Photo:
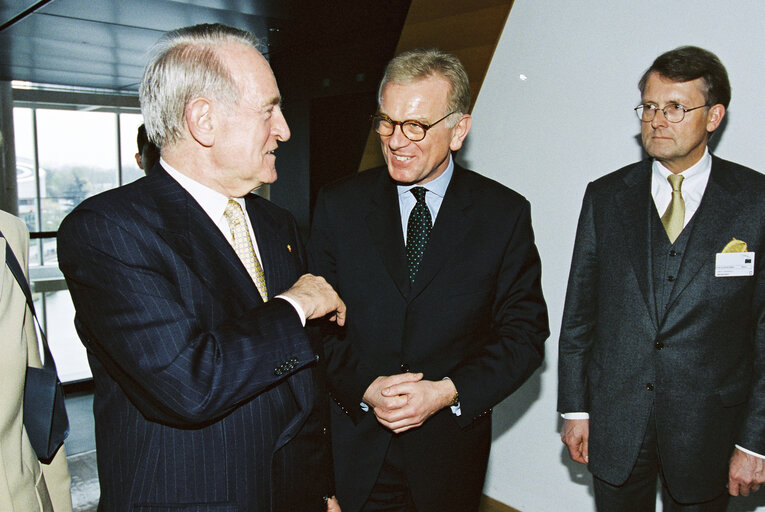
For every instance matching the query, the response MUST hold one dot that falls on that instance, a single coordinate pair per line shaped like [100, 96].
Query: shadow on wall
[510, 410]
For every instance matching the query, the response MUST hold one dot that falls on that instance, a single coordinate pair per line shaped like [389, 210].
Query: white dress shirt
[214, 204]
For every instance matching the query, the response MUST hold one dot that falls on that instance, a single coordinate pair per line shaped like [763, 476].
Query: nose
[397, 139]
[656, 121]
[280, 127]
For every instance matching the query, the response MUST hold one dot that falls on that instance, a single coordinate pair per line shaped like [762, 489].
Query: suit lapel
[711, 219]
[451, 225]
[384, 224]
[272, 253]
[634, 206]
[185, 226]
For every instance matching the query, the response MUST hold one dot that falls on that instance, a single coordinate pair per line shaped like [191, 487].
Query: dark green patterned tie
[417, 231]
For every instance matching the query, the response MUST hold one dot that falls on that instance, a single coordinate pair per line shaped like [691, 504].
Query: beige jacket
[25, 484]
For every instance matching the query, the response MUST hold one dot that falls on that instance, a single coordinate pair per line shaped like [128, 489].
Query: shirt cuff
[295, 305]
[575, 416]
[750, 452]
[456, 410]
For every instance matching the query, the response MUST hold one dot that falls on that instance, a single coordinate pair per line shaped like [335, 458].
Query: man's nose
[659, 121]
[397, 139]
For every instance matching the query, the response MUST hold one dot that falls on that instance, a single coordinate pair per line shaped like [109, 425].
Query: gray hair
[184, 64]
[422, 63]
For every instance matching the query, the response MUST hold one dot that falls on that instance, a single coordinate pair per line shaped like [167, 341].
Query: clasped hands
[404, 401]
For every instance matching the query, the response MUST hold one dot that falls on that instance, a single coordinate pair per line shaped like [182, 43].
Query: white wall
[567, 122]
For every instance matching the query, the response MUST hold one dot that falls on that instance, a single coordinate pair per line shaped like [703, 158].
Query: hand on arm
[746, 474]
[333, 505]
[576, 436]
[317, 298]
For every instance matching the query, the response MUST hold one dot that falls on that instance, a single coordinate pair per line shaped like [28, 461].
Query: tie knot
[419, 193]
[676, 180]
[233, 213]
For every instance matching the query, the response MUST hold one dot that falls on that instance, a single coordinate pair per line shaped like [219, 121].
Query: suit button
[649, 386]
[673, 253]
[404, 367]
[659, 345]
[278, 372]
[670, 278]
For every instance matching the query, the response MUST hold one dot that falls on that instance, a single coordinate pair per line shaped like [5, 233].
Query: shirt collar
[438, 186]
[702, 167]
[212, 202]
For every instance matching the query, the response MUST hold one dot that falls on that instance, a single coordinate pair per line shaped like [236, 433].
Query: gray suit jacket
[701, 363]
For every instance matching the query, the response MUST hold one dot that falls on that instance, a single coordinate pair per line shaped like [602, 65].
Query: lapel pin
[289, 248]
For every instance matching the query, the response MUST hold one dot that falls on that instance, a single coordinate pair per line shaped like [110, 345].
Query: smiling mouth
[402, 158]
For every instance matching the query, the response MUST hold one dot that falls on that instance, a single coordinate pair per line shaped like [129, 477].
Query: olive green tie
[243, 246]
[674, 217]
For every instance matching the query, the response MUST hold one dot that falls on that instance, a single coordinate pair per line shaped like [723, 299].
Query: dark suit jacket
[475, 314]
[203, 392]
[701, 363]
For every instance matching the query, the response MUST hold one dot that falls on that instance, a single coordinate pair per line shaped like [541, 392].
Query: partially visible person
[148, 153]
[191, 297]
[26, 484]
[662, 346]
[439, 270]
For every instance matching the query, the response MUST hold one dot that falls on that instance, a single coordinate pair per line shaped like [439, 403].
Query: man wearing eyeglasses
[438, 268]
[662, 346]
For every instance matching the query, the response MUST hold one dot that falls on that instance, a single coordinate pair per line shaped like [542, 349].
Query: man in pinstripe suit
[206, 385]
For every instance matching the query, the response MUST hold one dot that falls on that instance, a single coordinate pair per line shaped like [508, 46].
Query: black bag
[45, 418]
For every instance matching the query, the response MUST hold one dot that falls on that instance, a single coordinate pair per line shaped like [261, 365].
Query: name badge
[734, 264]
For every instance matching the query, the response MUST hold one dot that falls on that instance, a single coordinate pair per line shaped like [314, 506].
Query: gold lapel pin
[289, 247]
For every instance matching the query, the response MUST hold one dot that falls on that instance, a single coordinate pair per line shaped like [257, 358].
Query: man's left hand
[746, 473]
[424, 399]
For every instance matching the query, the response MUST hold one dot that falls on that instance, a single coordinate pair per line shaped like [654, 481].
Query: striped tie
[243, 246]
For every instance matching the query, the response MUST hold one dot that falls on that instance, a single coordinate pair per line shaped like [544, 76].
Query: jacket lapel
[185, 226]
[450, 228]
[634, 206]
[384, 224]
[712, 218]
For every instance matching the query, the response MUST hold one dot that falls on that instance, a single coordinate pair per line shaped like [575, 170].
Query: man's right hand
[317, 298]
[576, 436]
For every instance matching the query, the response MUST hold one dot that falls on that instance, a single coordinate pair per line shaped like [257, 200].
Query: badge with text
[734, 264]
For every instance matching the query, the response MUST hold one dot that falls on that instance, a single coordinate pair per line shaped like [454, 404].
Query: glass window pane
[68, 352]
[26, 178]
[77, 158]
[129, 124]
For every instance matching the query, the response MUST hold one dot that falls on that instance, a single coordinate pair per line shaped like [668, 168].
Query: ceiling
[103, 43]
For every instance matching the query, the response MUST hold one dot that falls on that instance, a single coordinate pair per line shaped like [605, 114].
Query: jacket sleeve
[519, 326]
[183, 359]
[579, 316]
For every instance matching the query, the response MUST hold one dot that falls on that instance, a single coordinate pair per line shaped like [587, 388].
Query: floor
[81, 451]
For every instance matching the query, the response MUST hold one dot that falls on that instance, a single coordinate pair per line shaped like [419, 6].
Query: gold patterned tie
[674, 217]
[243, 246]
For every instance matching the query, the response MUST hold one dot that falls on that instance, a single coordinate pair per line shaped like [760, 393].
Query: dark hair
[142, 138]
[688, 63]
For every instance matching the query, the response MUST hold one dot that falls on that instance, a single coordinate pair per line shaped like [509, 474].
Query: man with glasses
[438, 268]
[662, 347]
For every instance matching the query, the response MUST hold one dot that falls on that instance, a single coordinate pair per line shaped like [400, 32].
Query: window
[64, 154]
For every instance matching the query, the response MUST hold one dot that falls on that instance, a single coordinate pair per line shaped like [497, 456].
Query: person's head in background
[148, 153]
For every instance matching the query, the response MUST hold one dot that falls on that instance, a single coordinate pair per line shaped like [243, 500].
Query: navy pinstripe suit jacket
[206, 397]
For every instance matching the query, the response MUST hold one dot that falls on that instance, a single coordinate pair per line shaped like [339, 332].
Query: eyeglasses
[674, 112]
[412, 130]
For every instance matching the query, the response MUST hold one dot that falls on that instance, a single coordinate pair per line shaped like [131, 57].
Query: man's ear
[715, 117]
[200, 121]
[460, 131]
